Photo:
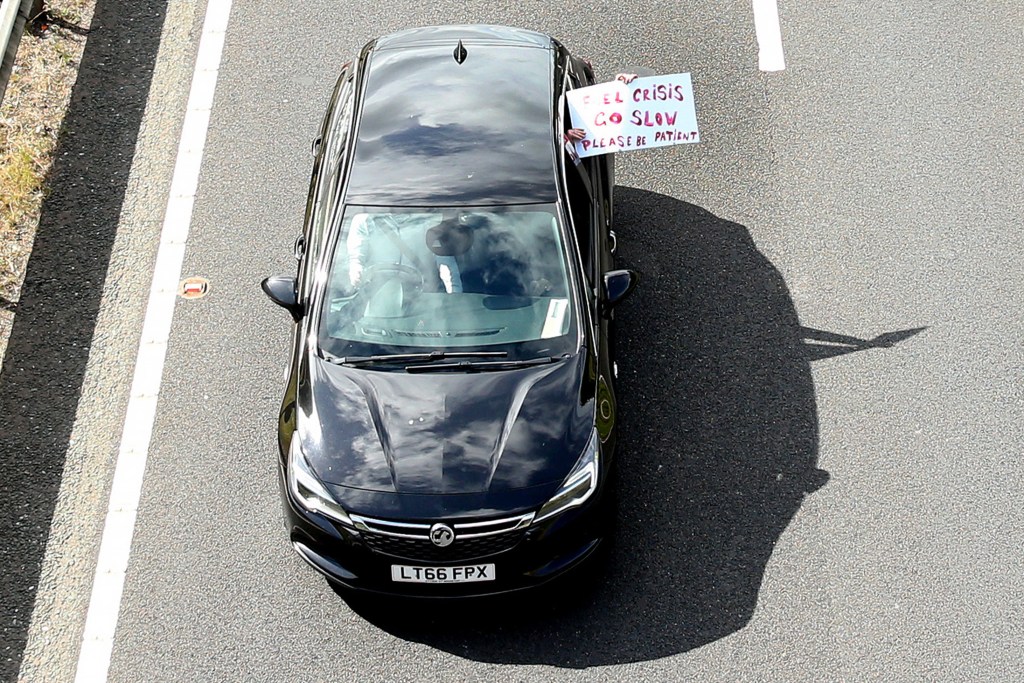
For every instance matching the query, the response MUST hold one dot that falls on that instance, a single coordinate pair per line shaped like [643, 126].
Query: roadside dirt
[31, 117]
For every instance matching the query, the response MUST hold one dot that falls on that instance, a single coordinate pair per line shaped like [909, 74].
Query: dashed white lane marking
[769, 36]
[115, 546]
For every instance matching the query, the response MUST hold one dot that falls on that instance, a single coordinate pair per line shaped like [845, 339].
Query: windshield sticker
[555, 318]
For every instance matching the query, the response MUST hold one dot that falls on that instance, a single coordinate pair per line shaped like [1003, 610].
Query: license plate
[466, 574]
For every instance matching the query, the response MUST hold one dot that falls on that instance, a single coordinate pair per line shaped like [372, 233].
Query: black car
[449, 419]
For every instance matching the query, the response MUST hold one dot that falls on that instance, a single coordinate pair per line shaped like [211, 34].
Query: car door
[594, 234]
[329, 160]
[584, 181]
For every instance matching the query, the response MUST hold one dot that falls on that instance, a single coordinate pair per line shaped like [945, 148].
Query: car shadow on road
[718, 448]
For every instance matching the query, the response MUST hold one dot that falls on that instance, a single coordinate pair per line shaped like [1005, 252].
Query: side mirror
[281, 289]
[617, 286]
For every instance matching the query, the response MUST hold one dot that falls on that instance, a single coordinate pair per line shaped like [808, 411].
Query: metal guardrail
[13, 15]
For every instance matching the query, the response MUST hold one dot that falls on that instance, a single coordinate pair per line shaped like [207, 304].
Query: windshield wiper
[353, 361]
[476, 366]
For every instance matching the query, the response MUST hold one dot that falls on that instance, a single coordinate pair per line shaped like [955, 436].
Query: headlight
[578, 486]
[307, 490]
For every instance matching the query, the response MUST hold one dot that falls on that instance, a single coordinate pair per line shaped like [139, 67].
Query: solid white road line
[769, 36]
[108, 584]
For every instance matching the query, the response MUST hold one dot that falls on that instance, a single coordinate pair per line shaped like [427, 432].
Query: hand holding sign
[645, 112]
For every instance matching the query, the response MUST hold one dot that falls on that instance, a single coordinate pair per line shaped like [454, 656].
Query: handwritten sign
[649, 112]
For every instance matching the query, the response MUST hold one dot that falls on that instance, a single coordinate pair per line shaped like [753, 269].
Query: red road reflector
[193, 287]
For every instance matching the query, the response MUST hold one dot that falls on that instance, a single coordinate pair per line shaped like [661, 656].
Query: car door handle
[299, 248]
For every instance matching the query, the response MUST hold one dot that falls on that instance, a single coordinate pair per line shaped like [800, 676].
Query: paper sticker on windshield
[555, 318]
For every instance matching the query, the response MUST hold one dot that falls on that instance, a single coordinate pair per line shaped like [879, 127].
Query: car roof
[434, 131]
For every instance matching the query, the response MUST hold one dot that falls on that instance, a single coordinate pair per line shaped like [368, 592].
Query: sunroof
[434, 131]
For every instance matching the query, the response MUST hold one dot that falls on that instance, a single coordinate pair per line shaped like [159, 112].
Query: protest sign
[649, 112]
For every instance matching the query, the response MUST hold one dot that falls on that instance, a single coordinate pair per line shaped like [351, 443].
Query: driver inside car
[398, 239]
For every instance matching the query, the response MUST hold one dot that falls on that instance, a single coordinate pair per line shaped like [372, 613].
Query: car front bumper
[546, 551]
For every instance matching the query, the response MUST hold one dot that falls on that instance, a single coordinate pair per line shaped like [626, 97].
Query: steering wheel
[377, 274]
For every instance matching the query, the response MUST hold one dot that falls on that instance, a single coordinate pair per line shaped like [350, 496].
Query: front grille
[411, 541]
[425, 551]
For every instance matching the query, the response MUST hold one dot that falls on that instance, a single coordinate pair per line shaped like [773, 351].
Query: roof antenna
[460, 53]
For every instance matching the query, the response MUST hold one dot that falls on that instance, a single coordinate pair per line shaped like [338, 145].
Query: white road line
[108, 584]
[769, 36]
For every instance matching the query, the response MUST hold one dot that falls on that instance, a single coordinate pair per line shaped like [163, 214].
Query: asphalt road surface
[822, 372]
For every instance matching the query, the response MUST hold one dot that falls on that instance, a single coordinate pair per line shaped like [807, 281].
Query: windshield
[465, 279]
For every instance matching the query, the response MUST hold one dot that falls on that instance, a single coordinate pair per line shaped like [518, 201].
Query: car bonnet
[448, 432]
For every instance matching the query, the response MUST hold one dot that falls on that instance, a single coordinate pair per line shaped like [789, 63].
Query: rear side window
[336, 134]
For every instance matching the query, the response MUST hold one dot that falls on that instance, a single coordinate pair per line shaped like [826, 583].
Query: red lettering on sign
[603, 118]
[659, 93]
[646, 118]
